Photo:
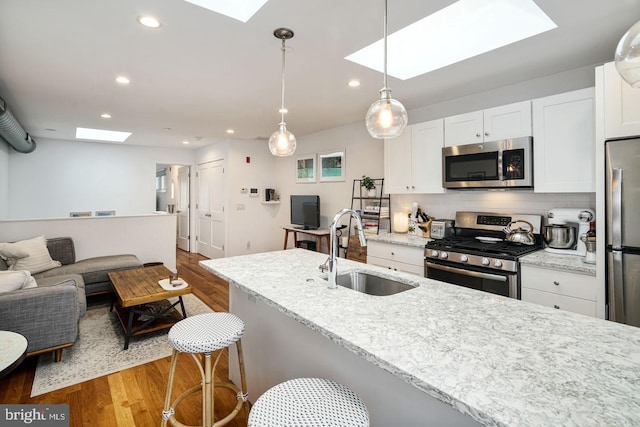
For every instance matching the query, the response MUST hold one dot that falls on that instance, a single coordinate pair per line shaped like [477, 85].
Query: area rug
[99, 349]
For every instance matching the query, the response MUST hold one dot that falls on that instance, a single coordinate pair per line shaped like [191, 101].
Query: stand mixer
[560, 233]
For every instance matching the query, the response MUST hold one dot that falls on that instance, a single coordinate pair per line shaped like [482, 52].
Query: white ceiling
[202, 73]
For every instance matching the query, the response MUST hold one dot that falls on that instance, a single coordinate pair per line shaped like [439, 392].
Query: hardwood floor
[134, 397]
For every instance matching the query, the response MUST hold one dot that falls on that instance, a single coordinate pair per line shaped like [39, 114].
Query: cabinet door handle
[413, 186]
[486, 133]
[392, 253]
[556, 306]
[555, 282]
[407, 187]
[478, 135]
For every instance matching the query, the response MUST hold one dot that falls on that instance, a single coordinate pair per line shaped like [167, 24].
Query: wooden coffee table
[141, 303]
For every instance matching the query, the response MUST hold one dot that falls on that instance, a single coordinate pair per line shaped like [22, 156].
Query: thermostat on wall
[253, 192]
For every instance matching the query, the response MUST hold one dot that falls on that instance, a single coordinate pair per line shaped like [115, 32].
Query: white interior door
[182, 208]
[211, 221]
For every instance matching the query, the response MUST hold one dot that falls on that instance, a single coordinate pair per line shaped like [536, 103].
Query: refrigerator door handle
[616, 209]
[616, 288]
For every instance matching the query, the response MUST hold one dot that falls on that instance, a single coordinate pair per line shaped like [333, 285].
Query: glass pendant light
[282, 142]
[628, 56]
[386, 118]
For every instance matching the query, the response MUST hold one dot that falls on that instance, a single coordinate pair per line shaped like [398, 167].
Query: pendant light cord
[385, 46]
[282, 105]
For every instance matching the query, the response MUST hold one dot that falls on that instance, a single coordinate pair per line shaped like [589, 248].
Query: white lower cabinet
[396, 257]
[562, 290]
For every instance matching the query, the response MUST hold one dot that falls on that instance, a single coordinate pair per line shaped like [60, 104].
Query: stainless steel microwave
[507, 163]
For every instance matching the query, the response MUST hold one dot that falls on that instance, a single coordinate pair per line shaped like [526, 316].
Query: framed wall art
[306, 168]
[332, 166]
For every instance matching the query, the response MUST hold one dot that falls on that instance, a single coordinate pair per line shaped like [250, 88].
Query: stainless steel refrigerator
[623, 230]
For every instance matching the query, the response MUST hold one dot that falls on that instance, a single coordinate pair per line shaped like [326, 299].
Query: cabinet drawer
[399, 253]
[559, 282]
[396, 266]
[561, 302]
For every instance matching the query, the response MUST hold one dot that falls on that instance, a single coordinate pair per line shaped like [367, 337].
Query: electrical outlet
[240, 207]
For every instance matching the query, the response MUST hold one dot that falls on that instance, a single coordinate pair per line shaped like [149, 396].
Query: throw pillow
[14, 280]
[38, 258]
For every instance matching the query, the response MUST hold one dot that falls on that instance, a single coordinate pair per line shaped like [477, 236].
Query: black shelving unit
[374, 209]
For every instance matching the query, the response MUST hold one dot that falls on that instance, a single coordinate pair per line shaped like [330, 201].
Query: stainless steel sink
[371, 284]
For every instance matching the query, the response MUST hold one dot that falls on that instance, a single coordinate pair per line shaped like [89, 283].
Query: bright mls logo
[34, 415]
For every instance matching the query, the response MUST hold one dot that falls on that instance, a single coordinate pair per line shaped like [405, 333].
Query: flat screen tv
[305, 212]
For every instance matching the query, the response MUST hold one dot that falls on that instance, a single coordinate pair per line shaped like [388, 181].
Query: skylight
[102, 135]
[241, 10]
[460, 31]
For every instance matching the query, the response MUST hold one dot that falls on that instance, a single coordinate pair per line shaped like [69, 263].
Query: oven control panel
[475, 260]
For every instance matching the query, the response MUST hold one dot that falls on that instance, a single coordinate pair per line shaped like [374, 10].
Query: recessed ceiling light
[354, 83]
[230, 131]
[149, 22]
[241, 10]
[50, 129]
[460, 31]
[123, 80]
[105, 115]
[283, 110]
[185, 142]
[102, 135]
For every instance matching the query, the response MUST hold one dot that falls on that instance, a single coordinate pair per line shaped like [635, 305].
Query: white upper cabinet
[621, 105]
[413, 161]
[564, 142]
[503, 122]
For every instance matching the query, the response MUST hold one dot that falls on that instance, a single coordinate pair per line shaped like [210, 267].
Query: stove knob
[485, 261]
[444, 255]
[498, 263]
[464, 258]
[435, 254]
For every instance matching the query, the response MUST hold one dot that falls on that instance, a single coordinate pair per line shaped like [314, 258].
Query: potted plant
[370, 185]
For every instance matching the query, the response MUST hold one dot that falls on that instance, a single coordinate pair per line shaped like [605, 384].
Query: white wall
[548, 85]
[248, 221]
[63, 176]
[364, 156]
[4, 180]
[150, 237]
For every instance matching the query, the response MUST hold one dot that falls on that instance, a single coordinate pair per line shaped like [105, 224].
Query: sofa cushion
[95, 269]
[14, 280]
[37, 257]
[62, 249]
[66, 279]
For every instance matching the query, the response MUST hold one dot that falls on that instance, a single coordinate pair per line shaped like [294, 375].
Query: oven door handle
[467, 272]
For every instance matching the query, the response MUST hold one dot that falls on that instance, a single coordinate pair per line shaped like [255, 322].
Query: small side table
[319, 234]
[13, 349]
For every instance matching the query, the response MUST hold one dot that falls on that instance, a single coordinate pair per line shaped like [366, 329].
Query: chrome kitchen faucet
[333, 244]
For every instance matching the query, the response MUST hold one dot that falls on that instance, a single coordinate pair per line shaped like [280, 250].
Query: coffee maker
[564, 228]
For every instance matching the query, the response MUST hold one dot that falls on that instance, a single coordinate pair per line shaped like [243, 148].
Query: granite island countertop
[503, 362]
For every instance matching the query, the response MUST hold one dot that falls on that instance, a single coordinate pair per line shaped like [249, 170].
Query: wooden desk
[319, 234]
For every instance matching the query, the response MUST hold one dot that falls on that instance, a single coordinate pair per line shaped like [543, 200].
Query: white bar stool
[309, 402]
[200, 335]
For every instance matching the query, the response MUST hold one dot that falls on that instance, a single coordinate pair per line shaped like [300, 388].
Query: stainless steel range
[478, 256]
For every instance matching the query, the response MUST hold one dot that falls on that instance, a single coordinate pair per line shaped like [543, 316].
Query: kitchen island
[438, 354]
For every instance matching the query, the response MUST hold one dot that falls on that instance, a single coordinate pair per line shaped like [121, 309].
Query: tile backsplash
[513, 201]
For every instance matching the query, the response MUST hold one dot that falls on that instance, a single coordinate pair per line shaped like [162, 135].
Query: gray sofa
[48, 315]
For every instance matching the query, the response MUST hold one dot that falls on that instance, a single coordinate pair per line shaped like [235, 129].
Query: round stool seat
[205, 333]
[309, 402]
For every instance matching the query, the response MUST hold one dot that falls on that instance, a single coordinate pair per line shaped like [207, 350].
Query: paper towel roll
[344, 241]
